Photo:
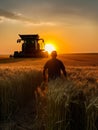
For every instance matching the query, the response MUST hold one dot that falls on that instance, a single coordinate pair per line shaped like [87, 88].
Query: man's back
[54, 67]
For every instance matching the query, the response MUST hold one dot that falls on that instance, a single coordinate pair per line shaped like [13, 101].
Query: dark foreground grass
[28, 104]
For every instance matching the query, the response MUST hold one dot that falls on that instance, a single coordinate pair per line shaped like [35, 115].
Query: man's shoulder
[59, 60]
[48, 62]
[60, 63]
[53, 60]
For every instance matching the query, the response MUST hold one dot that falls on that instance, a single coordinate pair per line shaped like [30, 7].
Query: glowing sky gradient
[71, 25]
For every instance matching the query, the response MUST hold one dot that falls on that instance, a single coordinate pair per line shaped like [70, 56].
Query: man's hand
[45, 79]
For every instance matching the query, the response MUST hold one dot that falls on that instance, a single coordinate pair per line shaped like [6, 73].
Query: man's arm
[63, 69]
[64, 72]
[44, 71]
[44, 74]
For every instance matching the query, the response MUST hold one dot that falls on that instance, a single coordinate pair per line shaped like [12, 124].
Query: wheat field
[27, 103]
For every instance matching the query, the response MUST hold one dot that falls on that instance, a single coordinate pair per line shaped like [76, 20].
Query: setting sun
[49, 48]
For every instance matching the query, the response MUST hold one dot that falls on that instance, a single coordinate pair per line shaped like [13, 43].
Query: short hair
[54, 54]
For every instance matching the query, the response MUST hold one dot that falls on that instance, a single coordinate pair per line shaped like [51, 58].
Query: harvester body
[32, 46]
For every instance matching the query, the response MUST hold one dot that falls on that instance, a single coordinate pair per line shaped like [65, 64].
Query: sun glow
[49, 48]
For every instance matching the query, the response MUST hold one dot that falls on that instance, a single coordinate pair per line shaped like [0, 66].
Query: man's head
[53, 54]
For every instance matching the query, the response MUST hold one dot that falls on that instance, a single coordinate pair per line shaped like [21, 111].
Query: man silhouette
[54, 67]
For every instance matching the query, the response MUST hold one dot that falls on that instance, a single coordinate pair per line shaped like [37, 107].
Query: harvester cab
[32, 46]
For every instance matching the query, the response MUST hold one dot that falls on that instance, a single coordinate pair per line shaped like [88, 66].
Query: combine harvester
[32, 46]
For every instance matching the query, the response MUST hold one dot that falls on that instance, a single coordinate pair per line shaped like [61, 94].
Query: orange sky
[66, 39]
[71, 31]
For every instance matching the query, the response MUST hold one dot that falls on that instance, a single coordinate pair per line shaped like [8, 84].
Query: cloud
[60, 11]
[1, 20]
[12, 16]
[40, 24]
[18, 17]
[86, 9]
[50, 11]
